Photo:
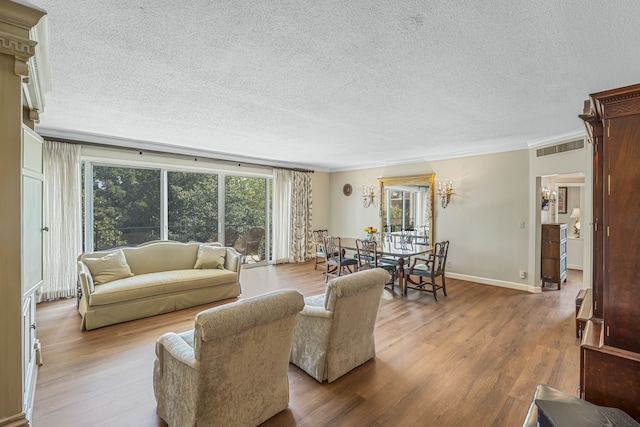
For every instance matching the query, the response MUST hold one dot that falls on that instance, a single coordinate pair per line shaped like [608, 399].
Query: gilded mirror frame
[428, 178]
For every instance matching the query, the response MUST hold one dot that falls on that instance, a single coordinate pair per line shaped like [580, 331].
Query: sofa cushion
[161, 256]
[152, 284]
[210, 257]
[109, 267]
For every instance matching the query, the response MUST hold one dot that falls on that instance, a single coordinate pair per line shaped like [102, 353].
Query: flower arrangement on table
[371, 232]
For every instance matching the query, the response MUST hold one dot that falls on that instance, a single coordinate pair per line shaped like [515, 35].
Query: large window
[192, 206]
[127, 206]
[245, 212]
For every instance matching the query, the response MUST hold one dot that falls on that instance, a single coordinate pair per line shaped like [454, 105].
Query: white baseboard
[574, 267]
[17, 420]
[500, 283]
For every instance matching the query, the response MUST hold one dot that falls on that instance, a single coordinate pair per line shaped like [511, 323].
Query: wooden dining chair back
[367, 256]
[422, 273]
[403, 240]
[318, 246]
[336, 263]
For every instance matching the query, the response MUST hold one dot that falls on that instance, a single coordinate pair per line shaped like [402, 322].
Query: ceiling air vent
[560, 148]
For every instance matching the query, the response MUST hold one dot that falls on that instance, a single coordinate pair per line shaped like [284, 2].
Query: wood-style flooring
[473, 358]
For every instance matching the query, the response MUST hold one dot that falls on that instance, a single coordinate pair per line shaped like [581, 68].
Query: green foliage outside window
[127, 208]
[192, 206]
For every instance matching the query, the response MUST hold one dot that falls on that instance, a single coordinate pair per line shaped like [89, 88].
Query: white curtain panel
[292, 207]
[62, 214]
[282, 185]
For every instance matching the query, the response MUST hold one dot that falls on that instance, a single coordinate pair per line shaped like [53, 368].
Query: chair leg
[444, 286]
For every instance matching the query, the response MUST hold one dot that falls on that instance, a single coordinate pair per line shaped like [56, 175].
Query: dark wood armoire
[610, 349]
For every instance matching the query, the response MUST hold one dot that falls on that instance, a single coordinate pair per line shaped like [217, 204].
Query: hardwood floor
[473, 358]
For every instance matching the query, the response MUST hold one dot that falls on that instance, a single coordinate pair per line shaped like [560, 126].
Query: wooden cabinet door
[32, 265]
[597, 236]
[621, 215]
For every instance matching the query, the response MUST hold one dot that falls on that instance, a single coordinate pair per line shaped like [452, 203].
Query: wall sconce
[548, 198]
[368, 195]
[575, 213]
[445, 193]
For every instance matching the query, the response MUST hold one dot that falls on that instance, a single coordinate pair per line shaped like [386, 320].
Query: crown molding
[20, 14]
[564, 137]
[18, 19]
[39, 82]
[137, 144]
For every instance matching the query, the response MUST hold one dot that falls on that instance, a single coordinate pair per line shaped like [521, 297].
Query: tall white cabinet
[32, 231]
[22, 97]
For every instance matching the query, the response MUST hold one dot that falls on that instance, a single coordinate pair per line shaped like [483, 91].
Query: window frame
[207, 167]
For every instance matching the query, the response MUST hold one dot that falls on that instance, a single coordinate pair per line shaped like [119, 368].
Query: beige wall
[482, 222]
[495, 193]
[549, 170]
[320, 211]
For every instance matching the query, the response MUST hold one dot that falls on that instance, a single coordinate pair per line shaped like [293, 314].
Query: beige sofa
[124, 284]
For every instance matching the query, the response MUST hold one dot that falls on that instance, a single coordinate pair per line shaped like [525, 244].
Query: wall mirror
[406, 203]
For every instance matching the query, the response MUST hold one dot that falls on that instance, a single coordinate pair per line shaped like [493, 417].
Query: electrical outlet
[523, 274]
[521, 224]
[448, 264]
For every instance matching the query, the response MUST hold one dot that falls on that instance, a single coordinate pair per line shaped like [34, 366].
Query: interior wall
[482, 222]
[553, 167]
[573, 201]
[320, 210]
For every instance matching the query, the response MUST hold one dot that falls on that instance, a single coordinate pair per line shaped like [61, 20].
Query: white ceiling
[333, 84]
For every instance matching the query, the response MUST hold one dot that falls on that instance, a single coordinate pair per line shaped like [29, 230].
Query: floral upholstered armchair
[231, 370]
[334, 333]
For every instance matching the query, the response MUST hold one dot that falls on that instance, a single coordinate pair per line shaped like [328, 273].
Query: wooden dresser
[610, 349]
[554, 254]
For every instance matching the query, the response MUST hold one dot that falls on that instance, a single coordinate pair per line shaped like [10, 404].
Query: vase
[370, 237]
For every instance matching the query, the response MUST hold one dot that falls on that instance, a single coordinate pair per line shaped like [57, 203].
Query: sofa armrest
[233, 261]
[86, 280]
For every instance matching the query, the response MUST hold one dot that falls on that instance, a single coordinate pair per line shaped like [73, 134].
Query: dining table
[402, 253]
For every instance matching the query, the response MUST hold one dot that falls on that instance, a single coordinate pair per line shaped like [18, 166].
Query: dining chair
[318, 246]
[367, 257]
[399, 241]
[336, 263]
[403, 239]
[427, 269]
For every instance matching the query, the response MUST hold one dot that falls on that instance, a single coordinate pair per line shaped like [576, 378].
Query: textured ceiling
[333, 84]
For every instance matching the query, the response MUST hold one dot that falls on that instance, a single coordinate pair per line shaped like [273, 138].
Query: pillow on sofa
[108, 268]
[211, 257]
